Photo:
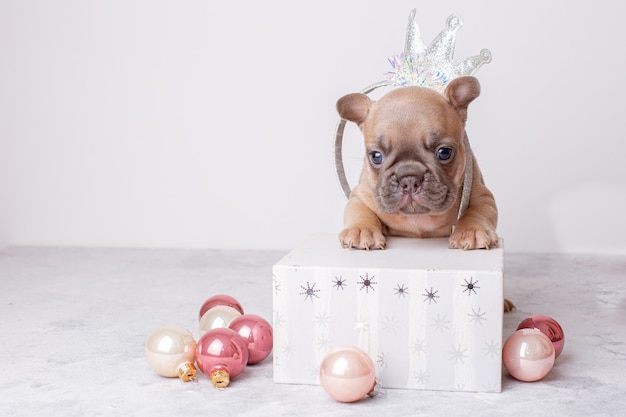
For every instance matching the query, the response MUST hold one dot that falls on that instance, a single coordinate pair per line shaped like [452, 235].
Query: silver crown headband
[431, 66]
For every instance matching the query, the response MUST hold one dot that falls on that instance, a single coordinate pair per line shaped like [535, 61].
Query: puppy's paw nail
[473, 239]
[509, 306]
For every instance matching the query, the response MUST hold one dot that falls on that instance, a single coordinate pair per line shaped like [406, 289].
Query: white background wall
[210, 123]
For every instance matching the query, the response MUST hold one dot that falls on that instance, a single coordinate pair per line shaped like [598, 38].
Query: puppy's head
[415, 156]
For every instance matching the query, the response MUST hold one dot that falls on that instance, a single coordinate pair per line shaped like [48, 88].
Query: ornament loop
[220, 378]
[377, 390]
[187, 372]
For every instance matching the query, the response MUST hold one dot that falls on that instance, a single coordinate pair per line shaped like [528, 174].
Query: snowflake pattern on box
[445, 336]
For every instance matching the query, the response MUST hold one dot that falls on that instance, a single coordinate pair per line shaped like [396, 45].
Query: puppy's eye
[376, 157]
[443, 153]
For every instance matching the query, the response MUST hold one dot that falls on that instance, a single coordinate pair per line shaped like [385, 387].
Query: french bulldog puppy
[412, 179]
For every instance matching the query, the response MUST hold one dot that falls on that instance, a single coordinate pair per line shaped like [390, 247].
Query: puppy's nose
[410, 184]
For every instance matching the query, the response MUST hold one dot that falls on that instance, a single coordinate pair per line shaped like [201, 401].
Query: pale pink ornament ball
[528, 355]
[347, 374]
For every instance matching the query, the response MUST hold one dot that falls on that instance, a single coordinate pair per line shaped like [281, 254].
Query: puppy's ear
[461, 92]
[354, 107]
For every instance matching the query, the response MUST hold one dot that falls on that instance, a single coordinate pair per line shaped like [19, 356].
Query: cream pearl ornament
[217, 317]
[170, 351]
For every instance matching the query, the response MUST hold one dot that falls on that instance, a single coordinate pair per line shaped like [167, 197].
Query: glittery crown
[432, 66]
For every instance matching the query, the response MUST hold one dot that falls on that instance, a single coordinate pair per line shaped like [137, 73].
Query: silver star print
[339, 283]
[492, 349]
[288, 348]
[477, 317]
[323, 319]
[440, 323]
[367, 283]
[279, 319]
[421, 376]
[458, 354]
[430, 296]
[309, 291]
[323, 342]
[361, 325]
[276, 286]
[381, 360]
[401, 290]
[418, 346]
[390, 324]
[470, 286]
[490, 386]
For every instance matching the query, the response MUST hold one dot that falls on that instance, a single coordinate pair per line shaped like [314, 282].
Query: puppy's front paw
[473, 239]
[358, 238]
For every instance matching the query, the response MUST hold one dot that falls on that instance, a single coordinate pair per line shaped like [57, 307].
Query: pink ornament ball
[219, 300]
[528, 355]
[347, 374]
[257, 332]
[221, 354]
[549, 327]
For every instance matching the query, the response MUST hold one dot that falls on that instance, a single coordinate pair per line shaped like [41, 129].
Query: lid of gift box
[324, 250]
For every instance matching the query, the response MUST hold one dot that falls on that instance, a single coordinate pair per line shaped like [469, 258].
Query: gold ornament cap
[220, 378]
[187, 372]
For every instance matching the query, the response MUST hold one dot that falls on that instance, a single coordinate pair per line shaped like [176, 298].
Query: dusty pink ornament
[257, 332]
[219, 300]
[221, 354]
[549, 327]
[347, 374]
[528, 355]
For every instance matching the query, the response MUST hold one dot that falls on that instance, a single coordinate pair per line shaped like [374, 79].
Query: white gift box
[429, 317]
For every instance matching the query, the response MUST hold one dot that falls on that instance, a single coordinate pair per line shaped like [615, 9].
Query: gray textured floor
[73, 323]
